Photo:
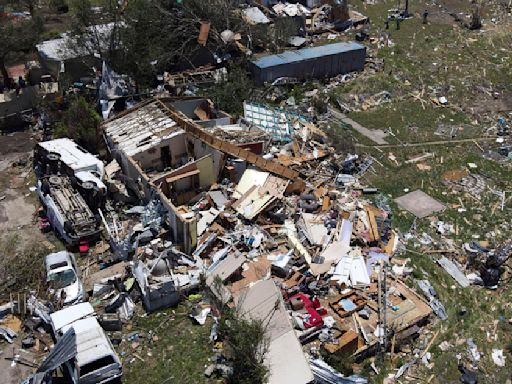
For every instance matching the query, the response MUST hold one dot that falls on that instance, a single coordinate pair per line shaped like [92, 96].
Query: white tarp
[254, 16]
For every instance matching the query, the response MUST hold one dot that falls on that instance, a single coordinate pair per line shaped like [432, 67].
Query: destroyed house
[310, 63]
[174, 157]
[14, 106]
[66, 54]
[150, 146]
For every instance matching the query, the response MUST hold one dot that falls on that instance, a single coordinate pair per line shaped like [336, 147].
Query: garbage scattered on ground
[262, 214]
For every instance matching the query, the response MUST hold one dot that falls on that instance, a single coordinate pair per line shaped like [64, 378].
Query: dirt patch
[17, 142]
[15, 211]
[13, 374]
[21, 242]
[486, 103]
[455, 175]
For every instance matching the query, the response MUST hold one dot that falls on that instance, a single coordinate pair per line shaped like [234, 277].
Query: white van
[96, 359]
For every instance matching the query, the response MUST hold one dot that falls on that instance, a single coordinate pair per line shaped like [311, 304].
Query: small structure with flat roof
[310, 63]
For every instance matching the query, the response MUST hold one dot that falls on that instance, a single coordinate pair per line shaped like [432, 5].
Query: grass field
[426, 61]
[433, 60]
[174, 349]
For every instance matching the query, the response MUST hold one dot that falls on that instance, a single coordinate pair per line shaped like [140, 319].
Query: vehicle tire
[55, 180]
[52, 156]
[45, 187]
[87, 185]
[68, 227]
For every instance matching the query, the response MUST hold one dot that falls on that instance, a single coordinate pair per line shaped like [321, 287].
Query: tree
[93, 33]
[17, 38]
[246, 340]
[153, 36]
[247, 344]
[229, 94]
[81, 123]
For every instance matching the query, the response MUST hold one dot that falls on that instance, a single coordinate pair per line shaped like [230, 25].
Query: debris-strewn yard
[246, 217]
[470, 69]
[425, 62]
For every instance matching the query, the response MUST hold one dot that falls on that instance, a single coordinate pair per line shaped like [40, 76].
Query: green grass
[437, 59]
[410, 122]
[179, 354]
[486, 311]
[392, 180]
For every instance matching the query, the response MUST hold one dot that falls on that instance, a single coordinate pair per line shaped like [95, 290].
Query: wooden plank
[182, 176]
[326, 203]
[374, 230]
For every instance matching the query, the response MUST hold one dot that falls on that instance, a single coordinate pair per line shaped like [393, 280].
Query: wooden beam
[226, 147]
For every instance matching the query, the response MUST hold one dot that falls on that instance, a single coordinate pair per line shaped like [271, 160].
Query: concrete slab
[419, 204]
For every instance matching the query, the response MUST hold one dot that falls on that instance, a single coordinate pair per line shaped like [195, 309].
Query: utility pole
[379, 313]
[385, 306]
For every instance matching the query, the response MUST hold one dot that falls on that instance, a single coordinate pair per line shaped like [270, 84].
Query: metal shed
[316, 62]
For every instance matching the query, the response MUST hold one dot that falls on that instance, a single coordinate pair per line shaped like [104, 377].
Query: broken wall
[199, 173]
[189, 107]
[201, 149]
[177, 153]
[183, 230]
[183, 226]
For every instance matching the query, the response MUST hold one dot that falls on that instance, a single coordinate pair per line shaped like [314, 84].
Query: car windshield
[62, 278]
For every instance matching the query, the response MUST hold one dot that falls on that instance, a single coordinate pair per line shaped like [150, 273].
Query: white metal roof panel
[59, 49]
[73, 155]
[68, 315]
[141, 129]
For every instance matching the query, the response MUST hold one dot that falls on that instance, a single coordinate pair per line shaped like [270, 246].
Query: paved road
[375, 135]
[426, 143]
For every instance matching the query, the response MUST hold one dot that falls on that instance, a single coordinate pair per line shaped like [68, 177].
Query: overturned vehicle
[67, 212]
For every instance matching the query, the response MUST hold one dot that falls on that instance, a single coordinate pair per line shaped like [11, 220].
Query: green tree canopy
[80, 122]
[152, 36]
[17, 37]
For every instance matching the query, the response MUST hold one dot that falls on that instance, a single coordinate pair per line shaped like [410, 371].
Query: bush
[80, 122]
[230, 94]
[246, 344]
